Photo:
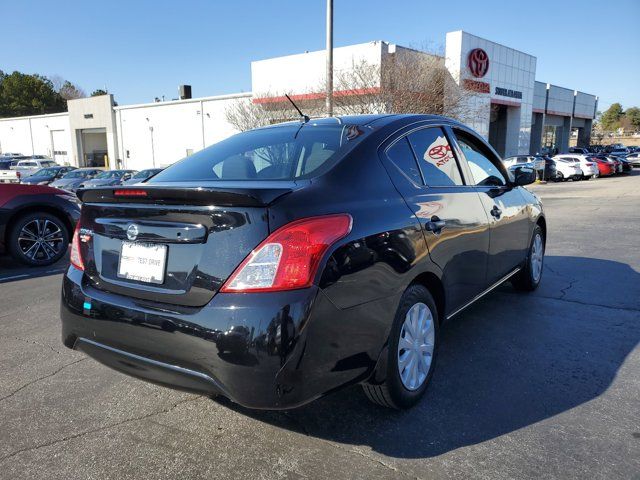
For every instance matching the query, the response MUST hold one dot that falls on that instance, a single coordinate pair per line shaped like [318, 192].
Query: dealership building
[518, 114]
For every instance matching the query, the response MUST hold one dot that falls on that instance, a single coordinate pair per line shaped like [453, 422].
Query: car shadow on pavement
[507, 362]
[12, 270]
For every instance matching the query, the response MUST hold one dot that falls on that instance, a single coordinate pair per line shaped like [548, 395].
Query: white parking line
[14, 277]
[33, 275]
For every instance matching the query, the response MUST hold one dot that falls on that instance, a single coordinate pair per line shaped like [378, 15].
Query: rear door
[426, 172]
[504, 204]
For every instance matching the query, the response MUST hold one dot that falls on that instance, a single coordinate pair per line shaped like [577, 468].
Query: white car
[567, 170]
[589, 167]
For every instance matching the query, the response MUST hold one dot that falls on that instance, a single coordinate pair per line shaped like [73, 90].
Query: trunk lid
[203, 233]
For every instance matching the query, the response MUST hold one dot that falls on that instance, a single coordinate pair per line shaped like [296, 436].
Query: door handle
[496, 212]
[435, 225]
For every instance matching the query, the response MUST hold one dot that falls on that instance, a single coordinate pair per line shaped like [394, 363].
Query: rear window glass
[402, 156]
[435, 157]
[278, 153]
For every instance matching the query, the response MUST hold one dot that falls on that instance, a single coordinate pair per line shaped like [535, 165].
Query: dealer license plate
[144, 262]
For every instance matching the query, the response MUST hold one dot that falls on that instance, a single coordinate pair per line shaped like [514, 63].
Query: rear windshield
[77, 174]
[6, 165]
[111, 174]
[280, 153]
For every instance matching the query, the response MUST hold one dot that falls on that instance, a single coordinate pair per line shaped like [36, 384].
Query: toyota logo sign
[478, 62]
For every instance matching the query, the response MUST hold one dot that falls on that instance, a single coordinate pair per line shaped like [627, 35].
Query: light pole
[153, 154]
[329, 99]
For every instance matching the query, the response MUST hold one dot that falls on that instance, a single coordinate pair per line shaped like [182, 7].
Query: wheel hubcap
[415, 348]
[537, 254]
[40, 239]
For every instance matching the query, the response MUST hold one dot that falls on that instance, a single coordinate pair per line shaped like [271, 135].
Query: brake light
[125, 192]
[76, 256]
[18, 174]
[289, 258]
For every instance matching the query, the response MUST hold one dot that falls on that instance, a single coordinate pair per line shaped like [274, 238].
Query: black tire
[391, 392]
[49, 252]
[525, 280]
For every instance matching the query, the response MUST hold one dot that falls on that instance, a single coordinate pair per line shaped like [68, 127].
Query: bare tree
[66, 89]
[407, 81]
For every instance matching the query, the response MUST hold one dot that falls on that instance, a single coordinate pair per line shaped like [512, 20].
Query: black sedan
[45, 176]
[318, 254]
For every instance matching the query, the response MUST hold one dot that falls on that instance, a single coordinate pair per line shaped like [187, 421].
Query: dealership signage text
[505, 92]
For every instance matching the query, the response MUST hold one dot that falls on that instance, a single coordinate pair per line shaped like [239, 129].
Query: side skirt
[483, 293]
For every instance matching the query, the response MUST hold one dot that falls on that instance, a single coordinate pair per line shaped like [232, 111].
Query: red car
[605, 167]
[36, 222]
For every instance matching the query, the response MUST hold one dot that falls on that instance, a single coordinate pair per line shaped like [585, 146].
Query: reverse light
[289, 258]
[75, 255]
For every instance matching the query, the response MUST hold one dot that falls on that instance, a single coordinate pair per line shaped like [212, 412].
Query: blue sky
[144, 49]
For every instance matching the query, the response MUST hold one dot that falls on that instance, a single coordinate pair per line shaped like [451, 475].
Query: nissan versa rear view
[285, 262]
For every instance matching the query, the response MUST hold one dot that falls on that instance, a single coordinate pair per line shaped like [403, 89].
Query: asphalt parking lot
[545, 385]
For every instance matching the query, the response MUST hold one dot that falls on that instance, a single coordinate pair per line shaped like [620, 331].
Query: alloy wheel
[40, 239]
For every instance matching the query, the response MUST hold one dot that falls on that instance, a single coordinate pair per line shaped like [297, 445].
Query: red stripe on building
[319, 95]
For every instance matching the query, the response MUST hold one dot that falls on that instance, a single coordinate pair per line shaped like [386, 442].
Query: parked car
[7, 172]
[6, 175]
[550, 171]
[108, 177]
[8, 155]
[580, 150]
[626, 165]
[142, 175]
[589, 168]
[72, 180]
[47, 175]
[334, 285]
[25, 168]
[567, 170]
[606, 167]
[634, 159]
[619, 151]
[36, 222]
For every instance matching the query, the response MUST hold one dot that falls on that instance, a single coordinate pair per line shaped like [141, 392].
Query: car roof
[362, 120]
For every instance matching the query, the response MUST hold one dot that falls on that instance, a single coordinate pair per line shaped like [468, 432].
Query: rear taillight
[289, 258]
[18, 174]
[76, 256]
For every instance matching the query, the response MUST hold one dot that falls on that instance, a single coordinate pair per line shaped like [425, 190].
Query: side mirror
[524, 176]
[126, 176]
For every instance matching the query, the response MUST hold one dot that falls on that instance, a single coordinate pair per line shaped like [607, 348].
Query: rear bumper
[269, 351]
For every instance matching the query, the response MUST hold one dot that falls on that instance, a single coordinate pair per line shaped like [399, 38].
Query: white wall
[178, 127]
[32, 135]
[306, 72]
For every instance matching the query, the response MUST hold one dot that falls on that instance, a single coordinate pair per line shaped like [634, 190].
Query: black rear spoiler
[241, 196]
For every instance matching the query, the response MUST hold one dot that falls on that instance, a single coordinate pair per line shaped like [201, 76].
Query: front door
[453, 218]
[504, 204]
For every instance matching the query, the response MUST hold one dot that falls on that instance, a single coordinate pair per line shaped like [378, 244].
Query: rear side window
[401, 155]
[278, 153]
[484, 172]
[435, 158]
